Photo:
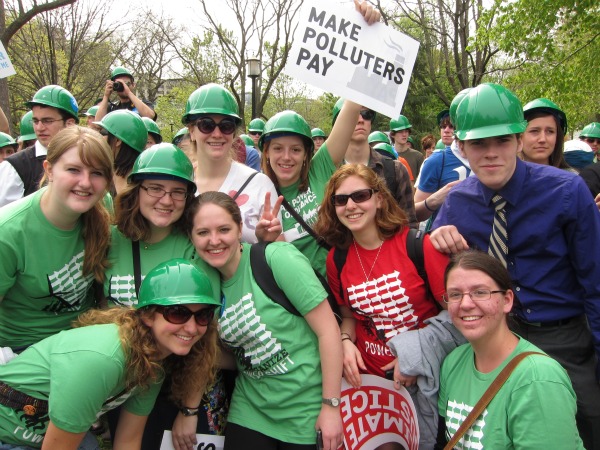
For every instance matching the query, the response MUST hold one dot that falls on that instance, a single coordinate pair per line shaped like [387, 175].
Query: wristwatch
[333, 401]
[187, 412]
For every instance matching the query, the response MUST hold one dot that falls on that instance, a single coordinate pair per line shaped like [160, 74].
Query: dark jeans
[238, 437]
[572, 346]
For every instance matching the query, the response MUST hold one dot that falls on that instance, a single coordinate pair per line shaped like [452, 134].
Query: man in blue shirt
[553, 241]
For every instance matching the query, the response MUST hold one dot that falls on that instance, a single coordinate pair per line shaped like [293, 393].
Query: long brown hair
[189, 374]
[556, 158]
[390, 218]
[129, 219]
[93, 152]
[265, 163]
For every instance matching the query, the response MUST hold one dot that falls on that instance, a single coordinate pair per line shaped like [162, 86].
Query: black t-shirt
[128, 106]
[591, 176]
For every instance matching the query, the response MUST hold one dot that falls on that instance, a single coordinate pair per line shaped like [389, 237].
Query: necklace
[360, 260]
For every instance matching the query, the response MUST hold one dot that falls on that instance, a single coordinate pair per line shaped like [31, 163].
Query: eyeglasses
[180, 314]
[357, 197]
[478, 295]
[157, 192]
[591, 140]
[207, 125]
[367, 114]
[255, 133]
[46, 121]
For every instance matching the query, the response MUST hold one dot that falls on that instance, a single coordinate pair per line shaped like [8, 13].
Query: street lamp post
[253, 65]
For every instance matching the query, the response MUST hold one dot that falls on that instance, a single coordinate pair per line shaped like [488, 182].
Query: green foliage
[170, 108]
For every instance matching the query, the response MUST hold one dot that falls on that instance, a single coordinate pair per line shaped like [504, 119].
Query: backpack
[414, 248]
[263, 274]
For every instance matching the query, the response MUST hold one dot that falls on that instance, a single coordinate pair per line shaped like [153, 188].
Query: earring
[241, 248]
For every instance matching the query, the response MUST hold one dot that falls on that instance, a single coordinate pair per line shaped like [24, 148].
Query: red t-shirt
[394, 299]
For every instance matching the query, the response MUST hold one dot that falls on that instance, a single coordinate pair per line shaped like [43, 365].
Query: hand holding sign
[370, 14]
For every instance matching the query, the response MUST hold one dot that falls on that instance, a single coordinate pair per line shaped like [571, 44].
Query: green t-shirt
[41, 274]
[307, 205]
[535, 409]
[81, 372]
[278, 389]
[119, 284]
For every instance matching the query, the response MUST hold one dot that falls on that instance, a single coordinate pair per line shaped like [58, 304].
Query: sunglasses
[591, 140]
[255, 133]
[207, 125]
[367, 114]
[180, 314]
[357, 197]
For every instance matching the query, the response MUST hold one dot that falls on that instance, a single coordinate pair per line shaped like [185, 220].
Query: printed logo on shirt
[122, 290]
[307, 207]
[384, 302]
[456, 413]
[68, 286]
[257, 351]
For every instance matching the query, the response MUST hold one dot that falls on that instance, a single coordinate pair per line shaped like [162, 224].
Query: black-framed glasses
[46, 121]
[592, 140]
[156, 192]
[477, 295]
[367, 114]
[255, 133]
[359, 196]
[207, 125]
[179, 315]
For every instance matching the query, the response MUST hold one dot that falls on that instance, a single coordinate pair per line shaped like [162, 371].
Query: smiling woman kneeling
[535, 408]
[54, 391]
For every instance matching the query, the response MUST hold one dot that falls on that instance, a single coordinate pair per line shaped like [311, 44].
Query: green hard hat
[127, 126]
[6, 140]
[120, 71]
[336, 109]
[151, 126]
[489, 110]
[439, 145]
[176, 282]
[455, 102]
[287, 122]
[91, 112]
[180, 133]
[26, 127]
[401, 123]
[378, 136]
[547, 106]
[165, 159]
[591, 130]
[441, 115]
[247, 140]
[412, 141]
[387, 148]
[256, 125]
[317, 132]
[211, 99]
[57, 97]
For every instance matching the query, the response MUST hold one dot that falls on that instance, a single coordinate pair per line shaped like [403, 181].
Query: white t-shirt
[252, 199]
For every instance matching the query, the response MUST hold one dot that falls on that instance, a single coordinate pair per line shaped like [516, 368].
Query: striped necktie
[498, 247]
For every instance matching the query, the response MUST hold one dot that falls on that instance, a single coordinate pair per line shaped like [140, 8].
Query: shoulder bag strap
[487, 397]
[243, 186]
[137, 270]
[302, 222]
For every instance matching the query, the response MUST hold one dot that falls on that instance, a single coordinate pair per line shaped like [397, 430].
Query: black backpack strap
[263, 274]
[243, 186]
[302, 222]
[414, 249]
[339, 259]
[137, 269]
[389, 173]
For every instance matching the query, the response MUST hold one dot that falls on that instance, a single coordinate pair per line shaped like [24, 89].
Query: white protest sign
[6, 67]
[377, 414]
[205, 442]
[335, 50]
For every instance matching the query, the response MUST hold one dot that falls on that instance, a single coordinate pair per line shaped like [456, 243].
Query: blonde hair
[93, 151]
[389, 218]
[189, 374]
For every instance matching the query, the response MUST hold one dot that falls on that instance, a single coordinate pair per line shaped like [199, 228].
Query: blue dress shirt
[553, 240]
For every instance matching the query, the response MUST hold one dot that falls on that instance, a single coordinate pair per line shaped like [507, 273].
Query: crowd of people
[132, 270]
